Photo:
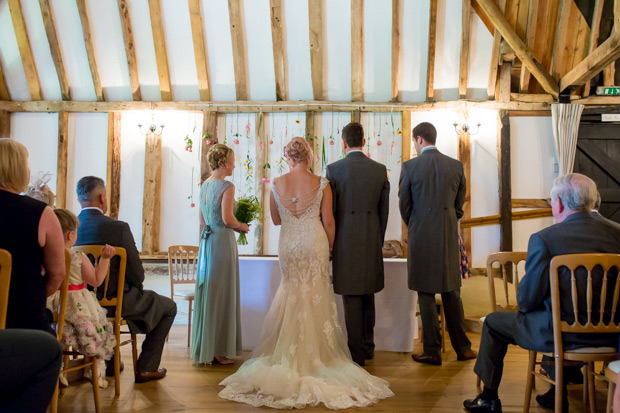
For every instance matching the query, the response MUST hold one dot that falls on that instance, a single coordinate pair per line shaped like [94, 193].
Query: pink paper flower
[331, 143]
[379, 143]
[236, 141]
[265, 180]
[368, 154]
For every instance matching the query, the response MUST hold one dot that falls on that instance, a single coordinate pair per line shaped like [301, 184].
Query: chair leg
[610, 396]
[531, 365]
[559, 384]
[443, 328]
[478, 382]
[189, 322]
[54, 401]
[591, 390]
[117, 362]
[134, 352]
[95, 382]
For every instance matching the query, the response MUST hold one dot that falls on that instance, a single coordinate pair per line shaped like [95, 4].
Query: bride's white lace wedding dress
[302, 358]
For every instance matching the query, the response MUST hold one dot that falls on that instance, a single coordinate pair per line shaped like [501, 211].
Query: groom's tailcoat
[431, 197]
[361, 201]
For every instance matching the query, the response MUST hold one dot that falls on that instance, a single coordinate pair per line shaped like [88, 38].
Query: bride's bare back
[297, 190]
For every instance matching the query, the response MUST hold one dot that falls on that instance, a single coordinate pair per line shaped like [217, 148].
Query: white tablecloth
[396, 323]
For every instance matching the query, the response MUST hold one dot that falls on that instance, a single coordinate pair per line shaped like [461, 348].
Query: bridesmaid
[216, 332]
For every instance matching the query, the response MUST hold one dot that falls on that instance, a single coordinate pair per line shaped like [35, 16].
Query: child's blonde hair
[68, 220]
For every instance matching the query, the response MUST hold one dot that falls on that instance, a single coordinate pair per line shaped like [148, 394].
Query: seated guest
[30, 231]
[146, 312]
[575, 231]
[597, 215]
[30, 363]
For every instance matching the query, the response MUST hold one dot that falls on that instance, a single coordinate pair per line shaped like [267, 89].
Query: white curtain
[565, 119]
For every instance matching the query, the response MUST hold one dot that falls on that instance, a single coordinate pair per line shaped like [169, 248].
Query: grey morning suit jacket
[361, 203]
[431, 196]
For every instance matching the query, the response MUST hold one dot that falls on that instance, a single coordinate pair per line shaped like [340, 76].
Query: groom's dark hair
[427, 131]
[353, 135]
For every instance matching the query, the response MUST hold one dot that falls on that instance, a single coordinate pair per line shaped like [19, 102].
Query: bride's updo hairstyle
[218, 155]
[297, 150]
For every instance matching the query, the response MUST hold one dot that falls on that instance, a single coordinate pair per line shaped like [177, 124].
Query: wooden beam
[465, 36]
[531, 97]
[282, 107]
[113, 173]
[594, 32]
[404, 157]
[605, 54]
[430, 61]
[130, 50]
[530, 203]
[495, 219]
[464, 155]
[152, 187]
[483, 16]
[495, 53]
[23, 43]
[523, 52]
[200, 51]
[560, 37]
[504, 83]
[395, 48]
[279, 60]
[5, 124]
[357, 50]
[505, 183]
[61, 168]
[532, 19]
[52, 39]
[316, 47]
[90, 50]
[4, 92]
[262, 158]
[161, 54]
[609, 73]
[208, 139]
[237, 34]
[312, 132]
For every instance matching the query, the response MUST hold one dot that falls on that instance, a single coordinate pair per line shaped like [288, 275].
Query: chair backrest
[509, 272]
[593, 283]
[59, 312]
[182, 261]
[5, 283]
[95, 252]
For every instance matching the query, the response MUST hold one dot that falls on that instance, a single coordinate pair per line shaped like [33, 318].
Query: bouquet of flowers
[248, 210]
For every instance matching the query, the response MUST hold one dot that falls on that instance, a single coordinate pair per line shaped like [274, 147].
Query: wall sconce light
[465, 128]
[152, 128]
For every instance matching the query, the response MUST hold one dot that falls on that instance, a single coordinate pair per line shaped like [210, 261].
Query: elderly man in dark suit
[431, 195]
[361, 201]
[146, 312]
[575, 231]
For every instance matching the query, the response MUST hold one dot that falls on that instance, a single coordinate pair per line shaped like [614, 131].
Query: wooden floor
[417, 388]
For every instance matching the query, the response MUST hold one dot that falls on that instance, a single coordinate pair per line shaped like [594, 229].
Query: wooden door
[598, 156]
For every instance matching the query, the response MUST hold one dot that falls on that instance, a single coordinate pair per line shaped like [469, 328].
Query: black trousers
[497, 333]
[153, 343]
[29, 366]
[359, 316]
[455, 322]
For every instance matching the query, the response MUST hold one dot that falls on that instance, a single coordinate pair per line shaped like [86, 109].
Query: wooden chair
[599, 318]
[5, 283]
[182, 260]
[509, 271]
[117, 303]
[611, 375]
[88, 361]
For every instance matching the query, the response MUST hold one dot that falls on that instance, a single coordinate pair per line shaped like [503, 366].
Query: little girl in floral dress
[86, 329]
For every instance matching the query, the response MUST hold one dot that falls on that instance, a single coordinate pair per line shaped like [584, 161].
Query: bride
[302, 358]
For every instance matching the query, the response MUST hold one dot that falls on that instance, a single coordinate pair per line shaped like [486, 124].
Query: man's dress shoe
[479, 405]
[426, 359]
[470, 355]
[151, 375]
[547, 400]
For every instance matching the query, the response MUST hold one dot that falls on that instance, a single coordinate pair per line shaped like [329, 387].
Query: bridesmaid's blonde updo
[298, 150]
[218, 155]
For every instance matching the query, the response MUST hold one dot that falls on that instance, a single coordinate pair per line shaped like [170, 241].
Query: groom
[360, 200]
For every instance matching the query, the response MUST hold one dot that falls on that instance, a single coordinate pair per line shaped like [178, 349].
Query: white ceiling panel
[298, 49]
[10, 59]
[259, 50]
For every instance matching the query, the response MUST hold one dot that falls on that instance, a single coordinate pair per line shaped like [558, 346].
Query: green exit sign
[612, 90]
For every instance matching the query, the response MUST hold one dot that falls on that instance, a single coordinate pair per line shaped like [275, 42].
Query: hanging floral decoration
[207, 139]
[189, 144]
[191, 195]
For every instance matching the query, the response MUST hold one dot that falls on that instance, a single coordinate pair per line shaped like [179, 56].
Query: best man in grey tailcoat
[361, 192]
[431, 196]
